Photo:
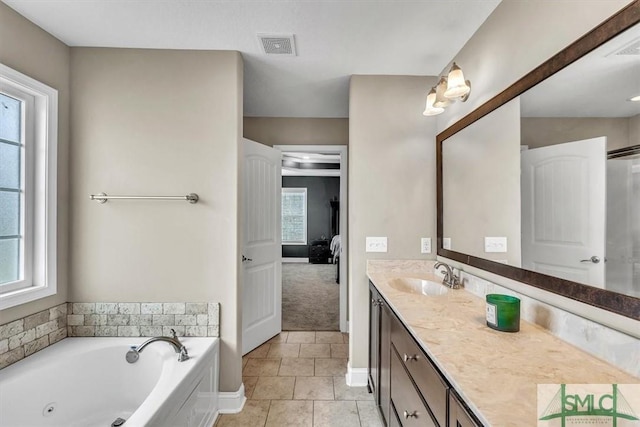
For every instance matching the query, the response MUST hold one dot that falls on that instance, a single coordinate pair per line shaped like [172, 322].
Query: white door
[262, 249]
[563, 210]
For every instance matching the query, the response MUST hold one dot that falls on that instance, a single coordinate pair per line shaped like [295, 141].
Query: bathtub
[82, 382]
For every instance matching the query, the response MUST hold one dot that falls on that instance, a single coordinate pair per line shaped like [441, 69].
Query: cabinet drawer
[405, 397]
[428, 380]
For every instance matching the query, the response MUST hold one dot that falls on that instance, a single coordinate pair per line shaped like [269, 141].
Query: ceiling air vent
[277, 44]
[631, 48]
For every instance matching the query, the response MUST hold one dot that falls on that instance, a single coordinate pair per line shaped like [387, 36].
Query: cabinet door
[384, 387]
[374, 342]
[458, 414]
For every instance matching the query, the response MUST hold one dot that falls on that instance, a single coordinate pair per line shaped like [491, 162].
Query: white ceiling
[334, 39]
[597, 85]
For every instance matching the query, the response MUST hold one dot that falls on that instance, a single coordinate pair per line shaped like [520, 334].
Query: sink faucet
[449, 279]
[134, 352]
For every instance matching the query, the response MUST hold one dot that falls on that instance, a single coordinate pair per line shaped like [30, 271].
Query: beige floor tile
[369, 416]
[340, 350]
[345, 337]
[254, 414]
[249, 385]
[330, 367]
[290, 413]
[302, 337]
[244, 361]
[315, 350]
[281, 337]
[329, 338]
[261, 367]
[337, 413]
[283, 350]
[274, 388]
[343, 392]
[260, 352]
[313, 388]
[296, 367]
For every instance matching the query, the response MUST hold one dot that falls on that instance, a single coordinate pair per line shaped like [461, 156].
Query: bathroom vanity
[409, 390]
[434, 362]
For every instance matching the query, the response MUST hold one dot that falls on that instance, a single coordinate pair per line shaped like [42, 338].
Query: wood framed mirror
[566, 283]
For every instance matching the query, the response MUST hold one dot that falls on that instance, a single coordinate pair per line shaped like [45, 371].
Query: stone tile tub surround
[23, 337]
[135, 319]
[615, 347]
[496, 373]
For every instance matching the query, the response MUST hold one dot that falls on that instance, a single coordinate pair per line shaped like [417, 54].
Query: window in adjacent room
[28, 148]
[294, 216]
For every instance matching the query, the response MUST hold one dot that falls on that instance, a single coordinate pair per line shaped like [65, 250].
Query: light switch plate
[425, 245]
[446, 243]
[376, 244]
[495, 244]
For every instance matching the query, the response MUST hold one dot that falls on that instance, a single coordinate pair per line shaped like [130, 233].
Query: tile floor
[298, 379]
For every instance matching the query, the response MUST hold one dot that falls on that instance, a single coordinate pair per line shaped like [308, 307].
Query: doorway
[314, 268]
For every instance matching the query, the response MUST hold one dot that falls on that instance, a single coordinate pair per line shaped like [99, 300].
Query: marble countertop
[496, 373]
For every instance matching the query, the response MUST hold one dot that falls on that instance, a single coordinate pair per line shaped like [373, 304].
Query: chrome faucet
[449, 279]
[134, 352]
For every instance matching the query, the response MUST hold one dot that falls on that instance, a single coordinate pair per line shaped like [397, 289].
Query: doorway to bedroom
[313, 238]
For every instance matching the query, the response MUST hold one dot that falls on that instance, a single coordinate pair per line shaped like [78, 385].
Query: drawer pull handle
[408, 414]
[408, 358]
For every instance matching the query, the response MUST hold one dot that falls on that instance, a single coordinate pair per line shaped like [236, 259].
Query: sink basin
[418, 286]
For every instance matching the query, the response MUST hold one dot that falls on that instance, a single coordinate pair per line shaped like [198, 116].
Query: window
[28, 149]
[294, 216]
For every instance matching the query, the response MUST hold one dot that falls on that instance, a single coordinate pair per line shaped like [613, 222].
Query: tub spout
[134, 352]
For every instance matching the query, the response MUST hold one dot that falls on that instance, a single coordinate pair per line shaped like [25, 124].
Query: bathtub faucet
[134, 352]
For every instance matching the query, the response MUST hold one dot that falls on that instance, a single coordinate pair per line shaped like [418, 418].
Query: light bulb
[457, 87]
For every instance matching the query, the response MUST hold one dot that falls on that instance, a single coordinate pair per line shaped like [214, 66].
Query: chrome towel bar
[102, 197]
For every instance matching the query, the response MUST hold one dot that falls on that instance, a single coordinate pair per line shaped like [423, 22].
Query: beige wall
[481, 185]
[296, 131]
[30, 50]
[543, 131]
[392, 191]
[158, 122]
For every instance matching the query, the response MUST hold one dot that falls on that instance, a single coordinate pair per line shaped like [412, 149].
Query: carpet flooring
[310, 297]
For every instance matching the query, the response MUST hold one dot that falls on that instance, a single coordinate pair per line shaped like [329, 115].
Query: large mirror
[555, 199]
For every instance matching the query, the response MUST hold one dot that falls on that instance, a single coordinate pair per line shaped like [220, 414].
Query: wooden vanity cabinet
[380, 352]
[408, 389]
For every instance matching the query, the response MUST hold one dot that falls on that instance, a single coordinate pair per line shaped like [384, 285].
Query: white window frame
[39, 204]
[297, 190]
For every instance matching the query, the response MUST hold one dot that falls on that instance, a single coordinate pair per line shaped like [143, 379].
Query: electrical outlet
[425, 245]
[495, 244]
[376, 244]
[446, 243]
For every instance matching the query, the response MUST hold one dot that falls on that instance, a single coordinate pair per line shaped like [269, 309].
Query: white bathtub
[82, 382]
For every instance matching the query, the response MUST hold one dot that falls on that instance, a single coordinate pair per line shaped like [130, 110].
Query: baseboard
[231, 402]
[292, 260]
[357, 377]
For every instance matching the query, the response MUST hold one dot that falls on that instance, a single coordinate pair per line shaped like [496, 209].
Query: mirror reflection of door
[563, 210]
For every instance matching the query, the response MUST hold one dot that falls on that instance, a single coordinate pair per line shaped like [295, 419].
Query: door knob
[244, 258]
[594, 259]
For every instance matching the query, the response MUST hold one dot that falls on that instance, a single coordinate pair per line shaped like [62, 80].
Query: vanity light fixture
[448, 90]
[635, 98]
[457, 86]
[430, 109]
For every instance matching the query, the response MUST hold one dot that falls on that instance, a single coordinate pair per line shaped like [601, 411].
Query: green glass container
[503, 313]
